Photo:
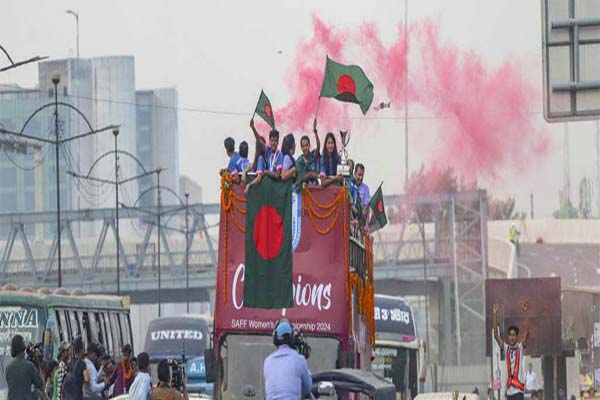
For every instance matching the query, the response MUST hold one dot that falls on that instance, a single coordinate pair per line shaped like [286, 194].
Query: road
[575, 264]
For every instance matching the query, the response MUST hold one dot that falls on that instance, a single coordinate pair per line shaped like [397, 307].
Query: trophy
[343, 167]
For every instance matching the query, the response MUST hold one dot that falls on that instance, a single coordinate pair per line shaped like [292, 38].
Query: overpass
[435, 250]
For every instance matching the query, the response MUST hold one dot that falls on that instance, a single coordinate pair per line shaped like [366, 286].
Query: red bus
[332, 287]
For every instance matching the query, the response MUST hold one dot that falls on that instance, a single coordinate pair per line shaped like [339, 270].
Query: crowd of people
[82, 373]
[311, 167]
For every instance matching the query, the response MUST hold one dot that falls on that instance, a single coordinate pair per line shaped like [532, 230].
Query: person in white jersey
[514, 352]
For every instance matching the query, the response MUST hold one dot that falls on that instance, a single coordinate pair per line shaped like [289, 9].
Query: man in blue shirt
[234, 157]
[286, 372]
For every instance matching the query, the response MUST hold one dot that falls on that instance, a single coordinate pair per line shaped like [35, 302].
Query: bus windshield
[240, 351]
[26, 321]
[173, 336]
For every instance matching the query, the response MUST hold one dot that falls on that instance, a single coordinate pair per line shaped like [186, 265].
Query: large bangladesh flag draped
[264, 109]
[347, 83]
[268, 275]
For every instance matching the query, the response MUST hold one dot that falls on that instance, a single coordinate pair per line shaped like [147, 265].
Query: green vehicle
[49, 318]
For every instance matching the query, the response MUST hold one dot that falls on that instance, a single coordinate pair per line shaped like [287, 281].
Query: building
[158, 143]
[103, 89]
[187, 185]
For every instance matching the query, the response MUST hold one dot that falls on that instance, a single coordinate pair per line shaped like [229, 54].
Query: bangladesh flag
[378, 217]
[268, 275]
[347, 83]
[264, 109]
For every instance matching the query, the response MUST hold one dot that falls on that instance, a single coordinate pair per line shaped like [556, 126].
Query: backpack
[71, 388]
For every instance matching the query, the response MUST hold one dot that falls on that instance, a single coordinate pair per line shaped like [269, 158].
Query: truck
[333, 293]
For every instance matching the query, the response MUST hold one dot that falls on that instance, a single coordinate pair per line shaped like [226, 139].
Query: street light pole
[187, 253]
[76, 15]
[55, 81]
[116, 134]
[406, 89]
[158, 230]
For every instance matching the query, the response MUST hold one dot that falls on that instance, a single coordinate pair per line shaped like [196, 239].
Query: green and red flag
[268, 274]
[264, 109]
[378, 218]
[347, 83]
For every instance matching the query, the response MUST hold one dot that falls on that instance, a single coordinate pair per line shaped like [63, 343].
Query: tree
[504, 209]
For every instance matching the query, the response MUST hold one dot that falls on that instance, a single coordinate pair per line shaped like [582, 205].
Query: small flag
[378, 218]
[347, 83]
[268, 275]
[264, 109]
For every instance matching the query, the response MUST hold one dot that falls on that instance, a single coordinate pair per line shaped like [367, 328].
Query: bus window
[85, 325]
[74, 324]
[116, 331]
[125, 329]
[61, 332]
[82, 332]
[110, 345]
[96, 329]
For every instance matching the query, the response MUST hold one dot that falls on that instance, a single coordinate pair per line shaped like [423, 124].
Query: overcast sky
[220, 54]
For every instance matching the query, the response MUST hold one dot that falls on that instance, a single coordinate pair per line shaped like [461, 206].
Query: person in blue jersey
[243, 161]
[232, 166]
[288, 148]
[307, 164]
[257, 167]
[329, 162]
[273, 157]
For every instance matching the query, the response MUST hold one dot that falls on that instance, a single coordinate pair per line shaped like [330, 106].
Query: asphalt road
[576, 264]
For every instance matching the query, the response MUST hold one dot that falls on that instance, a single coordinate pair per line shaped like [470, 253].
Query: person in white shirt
[531, 385]
[94, 383]
[514, 350]
[141, 387]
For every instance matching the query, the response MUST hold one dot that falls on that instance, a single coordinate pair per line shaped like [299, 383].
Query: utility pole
[115, 134]
[187, 253]
[597, 146]
[406, 90]
[158, 244]
[566, 167]
[55, 81]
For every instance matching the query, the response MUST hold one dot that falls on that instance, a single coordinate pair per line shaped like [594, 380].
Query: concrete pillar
[446, 356]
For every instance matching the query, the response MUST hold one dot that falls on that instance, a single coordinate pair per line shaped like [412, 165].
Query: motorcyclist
[286, 372]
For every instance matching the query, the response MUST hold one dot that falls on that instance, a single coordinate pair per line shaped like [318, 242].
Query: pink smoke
[482, 114]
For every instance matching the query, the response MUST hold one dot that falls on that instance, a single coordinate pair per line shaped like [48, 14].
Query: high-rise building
[158, 142]
[103, 89]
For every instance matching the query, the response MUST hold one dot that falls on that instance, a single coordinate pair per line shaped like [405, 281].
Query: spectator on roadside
[141, 387]
[94, 383]
[124, 373]
[73, 382]
[163, 390]
[108, 369]
[21, 374]
[51, 377]
[64, 354]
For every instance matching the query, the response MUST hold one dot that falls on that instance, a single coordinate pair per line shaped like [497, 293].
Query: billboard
[542, 296]
[570, 59]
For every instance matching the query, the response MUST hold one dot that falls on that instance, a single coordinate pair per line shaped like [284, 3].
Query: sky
[220, 55]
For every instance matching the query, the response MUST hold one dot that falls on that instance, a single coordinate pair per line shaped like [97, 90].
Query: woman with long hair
[288, 148]
[258, 166]
[329, 162]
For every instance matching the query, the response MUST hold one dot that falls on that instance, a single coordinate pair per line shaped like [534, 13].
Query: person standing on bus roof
[141, 387]
[514, 351]
[124, 372]
[286, 372]
[21, 374]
